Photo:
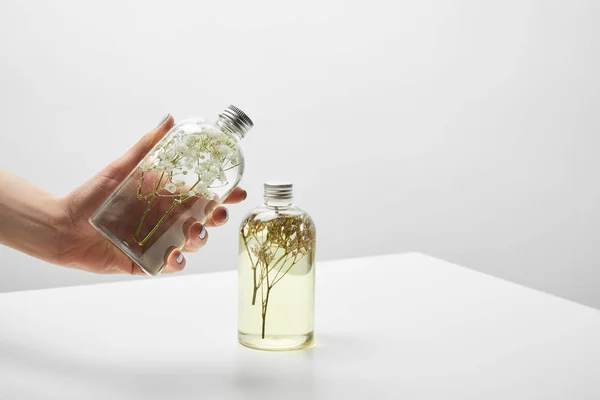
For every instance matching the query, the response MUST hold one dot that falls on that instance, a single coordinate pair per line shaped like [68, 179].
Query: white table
[400, 326]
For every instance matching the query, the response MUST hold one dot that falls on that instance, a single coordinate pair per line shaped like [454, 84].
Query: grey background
[466, 130]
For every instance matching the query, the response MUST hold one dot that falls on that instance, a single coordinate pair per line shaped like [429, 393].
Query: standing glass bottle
[277, 274]
[189, 172]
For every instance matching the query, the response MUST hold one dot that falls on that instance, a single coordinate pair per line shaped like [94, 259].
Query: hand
[82, 247]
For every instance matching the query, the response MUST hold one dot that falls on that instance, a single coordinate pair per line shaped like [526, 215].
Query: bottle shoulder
[200, 127]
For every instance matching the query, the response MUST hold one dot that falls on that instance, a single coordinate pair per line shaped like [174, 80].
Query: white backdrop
[467, 130]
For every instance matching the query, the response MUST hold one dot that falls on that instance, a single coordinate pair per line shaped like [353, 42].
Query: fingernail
[245, 195]
[226, 215]
[202, 233]
[179, 258]
[163, 120]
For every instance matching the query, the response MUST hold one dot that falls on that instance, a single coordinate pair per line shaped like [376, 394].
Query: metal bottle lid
[236, 120]
[278, 190]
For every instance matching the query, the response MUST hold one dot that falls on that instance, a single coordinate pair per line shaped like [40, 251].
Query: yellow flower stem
[143, 242]
[232, 167]
[264, 312]
[137, 231]
[140, 183]
[271, 269]
[160, 221]
[288, 270]
[253, 268]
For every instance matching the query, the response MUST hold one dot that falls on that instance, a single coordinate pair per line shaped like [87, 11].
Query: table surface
[404, 326]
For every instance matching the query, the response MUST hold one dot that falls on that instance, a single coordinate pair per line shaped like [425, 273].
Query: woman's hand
[57, 229]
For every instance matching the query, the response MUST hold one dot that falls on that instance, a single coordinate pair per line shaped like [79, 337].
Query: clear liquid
[282, 316]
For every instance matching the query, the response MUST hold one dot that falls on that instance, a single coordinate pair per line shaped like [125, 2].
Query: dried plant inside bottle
[181, 180]
[276, 274]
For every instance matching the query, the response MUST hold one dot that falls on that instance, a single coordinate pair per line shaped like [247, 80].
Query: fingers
[136, 270]
[236, 196]
[218, 218]
[196, 235]
[175, 262]
[174, 259]
[196, 238]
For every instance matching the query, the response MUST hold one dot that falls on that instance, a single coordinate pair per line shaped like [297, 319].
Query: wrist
[33, 227]
[65, 227]
[57, 214]
[31, 220]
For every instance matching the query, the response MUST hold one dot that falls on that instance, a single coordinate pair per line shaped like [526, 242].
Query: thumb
[122, 166]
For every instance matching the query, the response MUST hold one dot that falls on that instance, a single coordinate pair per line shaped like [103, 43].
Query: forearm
[30, 218]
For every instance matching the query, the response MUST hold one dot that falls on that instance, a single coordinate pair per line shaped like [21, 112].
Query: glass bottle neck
[227, 127]
[278, 203]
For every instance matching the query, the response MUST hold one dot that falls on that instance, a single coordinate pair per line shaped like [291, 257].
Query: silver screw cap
[278, 190]
[236, 120]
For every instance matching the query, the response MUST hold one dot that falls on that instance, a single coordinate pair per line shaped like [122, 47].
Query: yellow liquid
[289, 308]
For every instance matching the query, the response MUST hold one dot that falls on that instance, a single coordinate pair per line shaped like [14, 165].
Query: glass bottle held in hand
[277, 274]
[182, 180]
